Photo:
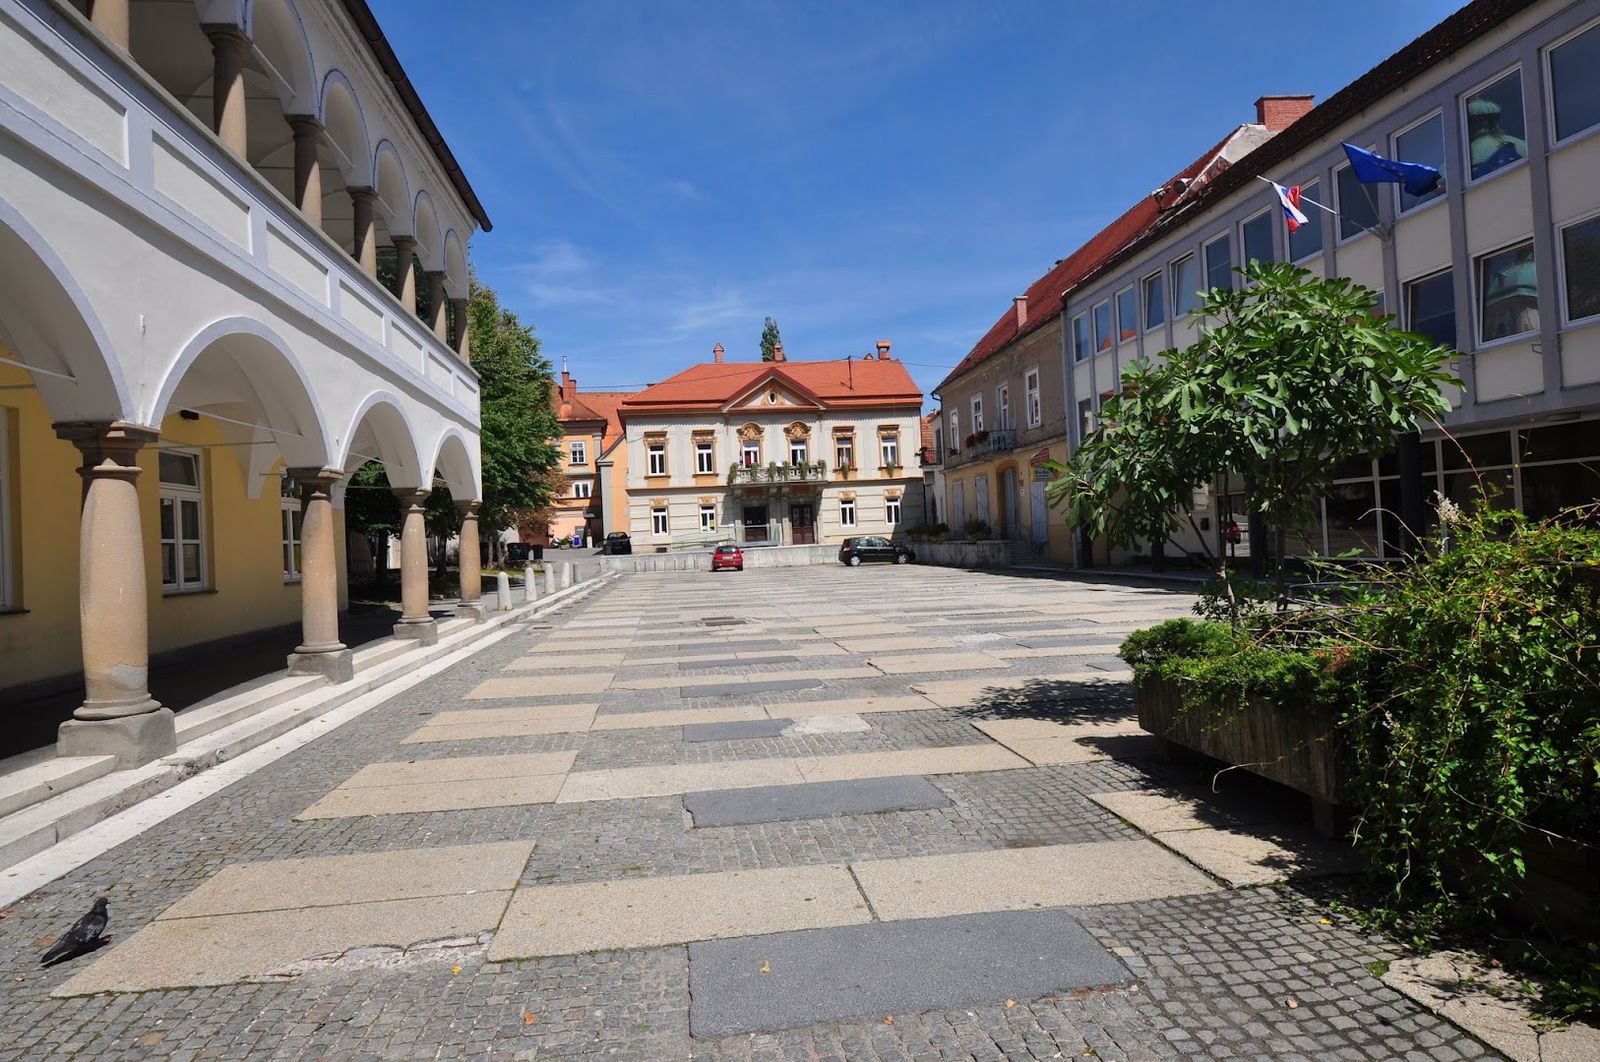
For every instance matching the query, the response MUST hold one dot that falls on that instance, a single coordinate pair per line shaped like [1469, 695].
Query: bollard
[549, 577]
[530, 585]
[502, 592]
[566, 575]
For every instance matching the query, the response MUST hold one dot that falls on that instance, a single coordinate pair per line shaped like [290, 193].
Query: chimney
[1020, 304]
[716, 353]
[1277, 113]
[883, 350]
[569, 386]
[777, 351]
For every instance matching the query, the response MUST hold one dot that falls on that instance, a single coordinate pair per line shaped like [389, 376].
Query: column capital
[411, 495]
[468, 509]
[402, 242]
[105, 434]
[226, 36]
[315, 476]
[363, 194]
[304, 124]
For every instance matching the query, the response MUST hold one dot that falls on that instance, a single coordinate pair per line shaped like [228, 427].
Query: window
[1080, 338]
[1358, 207]
[938, 446]
[1003, 402]
[1103, 339]
[708, 518]
[579, 452]
[1431, 308]
[182, 547]
[657, 454]
[1424, 143]
[1495, 126]
[1127, 316]
[1085, 418]
[1256, 236]
[1508, 293]
[705, 458]
[955, 432]
[1575, 83]
[1307, 239]
[1185, 297]
[977, 412]
[582, 488]
[5, 514]
[797, 452]
[847, 512]
[891, 511]
[891, 450]
[750, 453]
[1155, 301]
[1031, 384]
[1219, 263]
[658, 520]
[1580, 258]
[844, 450]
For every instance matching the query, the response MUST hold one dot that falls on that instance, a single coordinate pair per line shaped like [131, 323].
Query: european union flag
[1372, 168]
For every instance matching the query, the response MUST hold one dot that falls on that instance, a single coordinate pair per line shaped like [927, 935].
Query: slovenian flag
[1290, 198]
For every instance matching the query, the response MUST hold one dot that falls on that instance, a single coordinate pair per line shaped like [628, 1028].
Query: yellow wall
[246, 590]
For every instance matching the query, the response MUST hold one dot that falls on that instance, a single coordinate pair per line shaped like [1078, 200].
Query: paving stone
[780, 980]
[812, 800]
[504, 722]
[556, 685]
[678, 717]
[748, 686]
[923, 663]
[732, 731]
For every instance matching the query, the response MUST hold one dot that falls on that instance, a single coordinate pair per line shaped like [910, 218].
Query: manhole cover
[722, 621]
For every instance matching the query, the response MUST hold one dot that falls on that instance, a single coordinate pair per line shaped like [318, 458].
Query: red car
[727, 557]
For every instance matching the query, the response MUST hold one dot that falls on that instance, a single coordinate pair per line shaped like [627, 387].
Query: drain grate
[723, 621]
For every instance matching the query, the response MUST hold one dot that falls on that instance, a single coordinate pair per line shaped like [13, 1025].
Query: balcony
[814, 472]
[989, 441]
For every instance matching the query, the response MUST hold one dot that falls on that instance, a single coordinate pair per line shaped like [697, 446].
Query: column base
[338, 665]
[425, 632]
[134, 740]
[475, 611]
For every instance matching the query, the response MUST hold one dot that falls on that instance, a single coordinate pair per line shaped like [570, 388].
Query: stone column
[307, 167]
[118, 717]
[365, 250]
[470, 564]
[438, 320]
[230, 48]
[405, 271]
[320, 651]
[111, 18]
[463, 342]
[415, 622]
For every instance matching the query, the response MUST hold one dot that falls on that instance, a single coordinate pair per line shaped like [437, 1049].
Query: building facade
[197, 202]
[591, 431]
[773, 453]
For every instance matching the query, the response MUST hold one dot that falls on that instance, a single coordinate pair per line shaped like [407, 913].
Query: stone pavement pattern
[499, 862]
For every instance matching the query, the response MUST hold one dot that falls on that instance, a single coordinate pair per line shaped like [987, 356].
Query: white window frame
[577, 452]
[708, 519]
[1313, 217]
[1339, 205]
[1561, 275]
[1002, 407]
[1476, 262]
[1079, 330]
[1030, 381]
[1400, 208]
[1463, 125]
[176, 494]
[1550, 87]
[659, 523]
[1102, 344]
[705, 458]
[1205, 263]
[955, 431]
[6, 602]
[889, 449]
[582, 488]
[289, 508]
[844, 451]
[1172, 285]
[802, 448]
[847, 512]
[891, 511]
[1159, 277]
[1132, 294]
[750, 453]
[653, 451]
[977, 413]
[1272, 235]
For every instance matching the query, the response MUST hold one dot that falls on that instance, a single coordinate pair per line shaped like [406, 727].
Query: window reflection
[1495, 128]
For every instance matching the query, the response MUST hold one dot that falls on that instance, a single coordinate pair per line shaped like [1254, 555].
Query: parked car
[617, 544]
[865, 548]
[727, 556]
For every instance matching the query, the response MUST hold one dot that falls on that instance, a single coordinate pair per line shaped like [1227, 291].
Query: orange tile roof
[712, 385]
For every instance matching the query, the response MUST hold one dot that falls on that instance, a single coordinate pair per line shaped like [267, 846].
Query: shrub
[977, 529]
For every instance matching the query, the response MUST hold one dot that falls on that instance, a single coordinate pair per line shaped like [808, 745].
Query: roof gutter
[368, 26]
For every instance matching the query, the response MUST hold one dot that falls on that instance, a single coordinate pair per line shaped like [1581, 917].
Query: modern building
[773, 453]
[1005, 408]
[1502, 263]
[591, 431]
[197, 202]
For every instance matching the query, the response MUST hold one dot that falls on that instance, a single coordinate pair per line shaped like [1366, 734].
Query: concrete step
[197, 722]
[35, 828]
[49, 775]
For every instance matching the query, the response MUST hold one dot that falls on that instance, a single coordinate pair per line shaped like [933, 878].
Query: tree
[1291, 376]
[769, 340]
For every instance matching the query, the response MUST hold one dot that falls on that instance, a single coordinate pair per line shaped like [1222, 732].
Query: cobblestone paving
[1245, 974]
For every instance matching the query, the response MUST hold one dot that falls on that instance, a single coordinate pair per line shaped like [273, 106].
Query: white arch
[279, 34]
[430, 239]
[396, 438]
[457, 462]
[455, 265]
[346, 126]
[394, 189]
[280, 391]
[51, 325]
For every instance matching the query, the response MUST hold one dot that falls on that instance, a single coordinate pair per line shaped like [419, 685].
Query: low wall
[984, 554]
[947, 554]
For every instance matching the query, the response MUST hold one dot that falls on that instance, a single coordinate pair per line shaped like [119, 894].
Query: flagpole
[1303, 197]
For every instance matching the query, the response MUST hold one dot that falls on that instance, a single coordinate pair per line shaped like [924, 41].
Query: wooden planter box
[1299, 748]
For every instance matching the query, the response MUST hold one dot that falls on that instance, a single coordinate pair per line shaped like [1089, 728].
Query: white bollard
[502, 592]
[566, 575]
[530, 585]
[549, 577]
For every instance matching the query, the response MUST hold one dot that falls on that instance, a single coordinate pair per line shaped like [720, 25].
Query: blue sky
[663, 174]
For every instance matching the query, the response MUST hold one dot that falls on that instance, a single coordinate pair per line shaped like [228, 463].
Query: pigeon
[83, 936]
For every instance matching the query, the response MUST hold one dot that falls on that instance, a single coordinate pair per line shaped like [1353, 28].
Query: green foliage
[1219, 667]
[769, 339]
[976, 528]
[370, 507]
[1291, 375]
[927, 532]
[1235, 601]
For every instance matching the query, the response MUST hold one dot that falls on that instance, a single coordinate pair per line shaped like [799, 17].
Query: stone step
[46, 775]
[195, 723]
[38, 826]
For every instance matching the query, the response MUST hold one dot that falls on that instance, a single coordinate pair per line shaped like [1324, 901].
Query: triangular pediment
[773, 391]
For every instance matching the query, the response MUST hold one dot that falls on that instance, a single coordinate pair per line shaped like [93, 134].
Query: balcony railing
[994, 440]
[814, 472]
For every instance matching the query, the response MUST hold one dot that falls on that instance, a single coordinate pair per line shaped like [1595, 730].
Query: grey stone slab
[770, 686]
[813, 800]
[789, 980]
[733, 661]
[747, 728]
